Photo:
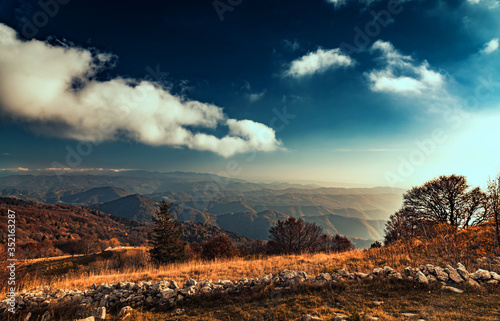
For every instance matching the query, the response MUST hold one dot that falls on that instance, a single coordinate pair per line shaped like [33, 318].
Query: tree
[294, 236]
[399, 226]
[447, 199]
[165, 238]
[337, 243]
[218, 247]
[494, 203]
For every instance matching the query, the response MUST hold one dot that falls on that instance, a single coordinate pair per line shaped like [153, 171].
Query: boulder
[453, 274]
[481, 275]
[462, 271]
[421, 278]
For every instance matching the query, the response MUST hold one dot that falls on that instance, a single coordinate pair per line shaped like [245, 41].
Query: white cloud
[318, 62]
[253, 97]
[36, 88]
[401, 75]
[488, 3]
[490, 46]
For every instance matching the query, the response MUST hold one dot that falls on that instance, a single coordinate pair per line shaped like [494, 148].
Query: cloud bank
[318, 62]
[54, 90]
[401, 75]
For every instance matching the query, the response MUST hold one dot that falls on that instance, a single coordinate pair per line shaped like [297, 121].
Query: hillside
[135, 207]
[36, 222]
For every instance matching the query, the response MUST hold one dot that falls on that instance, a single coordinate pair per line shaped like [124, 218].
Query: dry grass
[446, 248]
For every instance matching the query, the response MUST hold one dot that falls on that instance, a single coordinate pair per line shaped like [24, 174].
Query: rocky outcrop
[166, 294]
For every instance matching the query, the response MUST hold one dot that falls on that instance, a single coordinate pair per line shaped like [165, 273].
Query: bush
[218, 247]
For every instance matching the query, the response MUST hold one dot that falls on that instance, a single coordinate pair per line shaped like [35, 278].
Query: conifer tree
[165, 237]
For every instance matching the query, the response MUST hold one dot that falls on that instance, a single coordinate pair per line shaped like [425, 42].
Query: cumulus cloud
[54, 89]
[490, 46]
[401, 75]
[318, 62]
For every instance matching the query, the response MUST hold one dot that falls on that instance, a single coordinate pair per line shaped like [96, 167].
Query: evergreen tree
[165, 238]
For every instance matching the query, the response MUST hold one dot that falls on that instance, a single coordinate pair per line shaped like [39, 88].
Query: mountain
[95, 195]
[135, 207]
[250, 224]
[349, 226]
[199, 233]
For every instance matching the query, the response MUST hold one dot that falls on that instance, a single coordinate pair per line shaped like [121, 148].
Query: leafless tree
[494, 203]
[447, 199]
[294, 236]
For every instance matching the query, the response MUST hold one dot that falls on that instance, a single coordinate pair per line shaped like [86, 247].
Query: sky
[360, 92]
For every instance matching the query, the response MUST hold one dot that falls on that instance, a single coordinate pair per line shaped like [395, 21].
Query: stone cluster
[166, 294]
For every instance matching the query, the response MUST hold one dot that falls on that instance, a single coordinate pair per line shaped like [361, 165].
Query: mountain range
[245, 208]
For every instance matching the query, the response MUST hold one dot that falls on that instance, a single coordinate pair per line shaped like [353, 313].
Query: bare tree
[447, 199]
[494, 203]
[294, 236]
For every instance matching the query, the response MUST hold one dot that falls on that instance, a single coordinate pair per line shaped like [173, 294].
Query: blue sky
[354, 92]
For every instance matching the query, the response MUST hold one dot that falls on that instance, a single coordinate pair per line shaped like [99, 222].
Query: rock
[395, 275]
[99, 313]
[266, 278]
[409, 315]
[481, 275]
[495, 276]
[324, 277]
[344, 273]
[472, 283]
[190, 282]
[453, 274]
[360, 275]
[441, 275]
[421, 278]
[492, 282]
[87, 319]
[340, 317]
[124, 311]
[451, 289]
[173, 285]
[180, 311]
[376, 303]
[377, 271]
[308, 317]
[462, 271]
[46, 316]
[372, 318]
[387, 269]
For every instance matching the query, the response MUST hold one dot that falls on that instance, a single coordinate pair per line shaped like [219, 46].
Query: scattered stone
[451, 289]
[472, 283]
[441, 275]
[180, 311]
[377, 303]
[372, 318]
[87, 319]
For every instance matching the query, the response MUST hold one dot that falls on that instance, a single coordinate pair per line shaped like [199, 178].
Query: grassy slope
[352, 299]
